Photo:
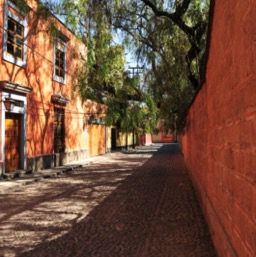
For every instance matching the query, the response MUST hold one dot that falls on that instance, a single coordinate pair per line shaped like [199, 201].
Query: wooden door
[12, 142]
[97, 139]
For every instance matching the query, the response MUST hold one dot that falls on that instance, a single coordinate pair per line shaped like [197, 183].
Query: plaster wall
[219, 143]
[38, 74]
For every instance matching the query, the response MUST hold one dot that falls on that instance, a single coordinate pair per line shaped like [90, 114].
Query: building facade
[43, 122]
[162, 136]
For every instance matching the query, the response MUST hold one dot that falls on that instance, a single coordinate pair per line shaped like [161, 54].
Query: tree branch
[175, 17]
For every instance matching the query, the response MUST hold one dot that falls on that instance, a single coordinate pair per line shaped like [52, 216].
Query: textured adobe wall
[219, 143]
[38, 75]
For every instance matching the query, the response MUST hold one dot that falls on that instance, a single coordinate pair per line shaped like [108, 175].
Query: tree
[151, 23]
[130, 109]
[103, 78]
[169, 37]
[103, 70]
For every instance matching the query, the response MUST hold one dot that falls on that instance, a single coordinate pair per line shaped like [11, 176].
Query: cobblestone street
[137, 204]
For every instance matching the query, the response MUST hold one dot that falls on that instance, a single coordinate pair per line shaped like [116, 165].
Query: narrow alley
[136, 204]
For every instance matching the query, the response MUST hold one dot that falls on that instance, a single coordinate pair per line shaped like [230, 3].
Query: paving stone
[138, 207]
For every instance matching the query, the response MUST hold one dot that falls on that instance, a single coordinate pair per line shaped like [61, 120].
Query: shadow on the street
[136, 204]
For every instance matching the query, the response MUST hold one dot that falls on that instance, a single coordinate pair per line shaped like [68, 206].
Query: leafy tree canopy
[168, 37]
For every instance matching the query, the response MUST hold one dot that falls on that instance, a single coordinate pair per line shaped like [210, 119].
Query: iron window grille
[15, 35]
[15, 39]
[60, 64]
[60, 61]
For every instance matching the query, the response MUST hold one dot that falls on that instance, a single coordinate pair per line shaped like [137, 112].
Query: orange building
[43, 123]
[162, 136]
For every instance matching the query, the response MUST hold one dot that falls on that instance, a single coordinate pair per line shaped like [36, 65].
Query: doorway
[97, 139]
[113, 139]
[12, 142]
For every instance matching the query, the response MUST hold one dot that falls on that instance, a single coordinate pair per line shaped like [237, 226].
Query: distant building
[162, 136]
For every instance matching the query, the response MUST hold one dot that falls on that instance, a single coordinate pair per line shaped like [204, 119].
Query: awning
[14, 87]
[59, 99]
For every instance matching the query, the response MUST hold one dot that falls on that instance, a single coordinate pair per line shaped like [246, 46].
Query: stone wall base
[42, 162]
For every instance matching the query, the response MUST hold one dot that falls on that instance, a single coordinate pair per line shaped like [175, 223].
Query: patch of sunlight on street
[66, 208]
[50, 220]
[18, 238]
[104, 188]
[74, 181]
[47, 210]
[8, 253]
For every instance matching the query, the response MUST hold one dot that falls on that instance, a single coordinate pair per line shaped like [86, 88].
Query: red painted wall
[219, 143]
[162, 136]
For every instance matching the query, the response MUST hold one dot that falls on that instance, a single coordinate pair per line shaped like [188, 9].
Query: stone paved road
[127, 205]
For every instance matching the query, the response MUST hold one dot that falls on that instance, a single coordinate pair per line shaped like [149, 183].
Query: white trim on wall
[7, 56]
[23, 115]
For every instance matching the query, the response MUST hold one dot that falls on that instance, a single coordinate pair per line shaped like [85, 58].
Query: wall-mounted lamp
[9, 103]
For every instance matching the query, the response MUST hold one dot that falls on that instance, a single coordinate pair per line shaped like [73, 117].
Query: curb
[8, 185]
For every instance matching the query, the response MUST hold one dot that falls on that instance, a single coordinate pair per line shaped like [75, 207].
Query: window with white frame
[15, 29]
[15, 39]
[60, 61]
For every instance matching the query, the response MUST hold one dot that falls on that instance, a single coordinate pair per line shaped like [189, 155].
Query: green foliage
[22, 5]
[129, 111]
[168, 37]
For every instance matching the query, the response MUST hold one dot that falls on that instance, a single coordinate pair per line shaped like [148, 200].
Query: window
[59, 130]
[15, 39]
[60, 61]
[15, 30]
[60, 64]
